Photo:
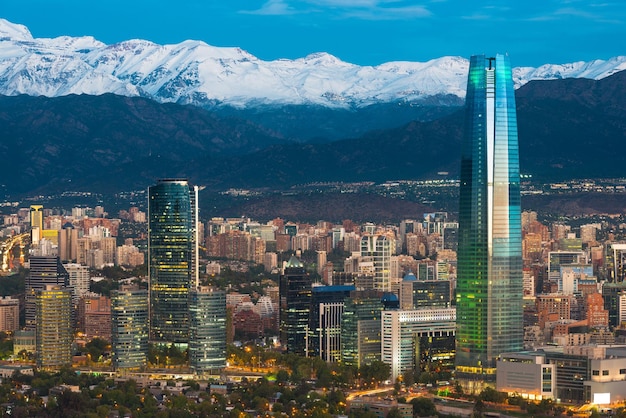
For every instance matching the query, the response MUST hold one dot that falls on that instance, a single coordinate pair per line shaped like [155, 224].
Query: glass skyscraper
[207, 340]
[129, 323]
[489, 286]
[295, 303]
[172, 258]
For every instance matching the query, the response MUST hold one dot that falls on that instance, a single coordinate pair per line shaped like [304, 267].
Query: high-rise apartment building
[489, 286]
[379, 248]
[54, 333]
[207, 339]
[79, 279]
[9, 314]
[172, 258]
[129, 328]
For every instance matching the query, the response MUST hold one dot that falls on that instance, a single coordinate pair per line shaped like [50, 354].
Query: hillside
[571, 128]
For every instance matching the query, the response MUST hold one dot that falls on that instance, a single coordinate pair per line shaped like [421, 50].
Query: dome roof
[390, 297]
[410, 277]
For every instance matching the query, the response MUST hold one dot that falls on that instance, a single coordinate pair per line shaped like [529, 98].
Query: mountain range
[572, 128]
[193, 72]
[76, 114]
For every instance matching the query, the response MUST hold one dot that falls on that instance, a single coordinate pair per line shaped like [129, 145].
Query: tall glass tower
[172, 258]
[129, 323]
[207, 339]
[489, 281]
[295, 292]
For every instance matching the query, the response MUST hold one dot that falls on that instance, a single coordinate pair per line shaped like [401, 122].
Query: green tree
[423, 407]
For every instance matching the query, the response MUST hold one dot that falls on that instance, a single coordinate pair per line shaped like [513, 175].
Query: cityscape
[479, 307]
[312, 208]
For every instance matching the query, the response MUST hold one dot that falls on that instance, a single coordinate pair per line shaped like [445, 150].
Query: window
[605, 372]
[622, 371]
[596, 372]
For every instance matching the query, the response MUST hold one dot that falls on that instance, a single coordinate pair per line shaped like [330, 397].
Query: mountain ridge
[193, 72]
[570, 128]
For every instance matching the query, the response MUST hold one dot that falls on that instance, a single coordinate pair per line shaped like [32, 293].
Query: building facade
[379, 249]
[54, 333]
[295, 302]
[207, 339]
[411, 339]
[129, 328]
[489, 286]
[44, 271]
[360, 328]
[172, 258]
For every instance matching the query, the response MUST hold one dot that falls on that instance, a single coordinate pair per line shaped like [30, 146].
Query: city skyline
[365, 32]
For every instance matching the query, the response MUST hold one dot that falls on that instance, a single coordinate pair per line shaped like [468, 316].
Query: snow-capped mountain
[194, 72]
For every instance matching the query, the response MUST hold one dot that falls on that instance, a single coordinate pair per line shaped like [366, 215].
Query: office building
[44, 271]
[54, 333]
[172, 258]
[418, 294]
[327, 304]
[68, 243]
[526, 374]
[36, 223]
[615, 262]
[207, 332]
[129, 328]
[417, 339]
[489, 277]
[295, 302]
[361, 328]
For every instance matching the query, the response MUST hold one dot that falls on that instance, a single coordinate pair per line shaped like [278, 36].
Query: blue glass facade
[172, 254]
[129, 328]
[207, 342]
[489, 282]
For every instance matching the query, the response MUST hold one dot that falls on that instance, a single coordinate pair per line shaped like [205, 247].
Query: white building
[527, 375]
[79, 279]
[401, 331]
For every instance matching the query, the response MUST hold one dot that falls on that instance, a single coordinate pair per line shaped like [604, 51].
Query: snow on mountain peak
[195, 72]
[13, 31]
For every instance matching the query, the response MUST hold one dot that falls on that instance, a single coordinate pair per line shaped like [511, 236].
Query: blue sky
[365, 32]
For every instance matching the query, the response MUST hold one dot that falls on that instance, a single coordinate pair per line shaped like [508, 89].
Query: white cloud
[390, 13]
[272, 8]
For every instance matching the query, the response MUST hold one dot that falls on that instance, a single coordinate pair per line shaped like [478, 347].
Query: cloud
[272, 8]
[390, 13]
[355, 9]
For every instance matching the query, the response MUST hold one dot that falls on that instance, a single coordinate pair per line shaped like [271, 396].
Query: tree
[394, 413]
[376, 372]
[423, 407]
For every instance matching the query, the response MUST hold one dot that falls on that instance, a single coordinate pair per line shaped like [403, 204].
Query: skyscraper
[44, 271]
[54, 334]
[172, 258]
[489, 286]
[36, 223]
[379, 248]
[129, 328]
[207, 339]
[295, 303]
